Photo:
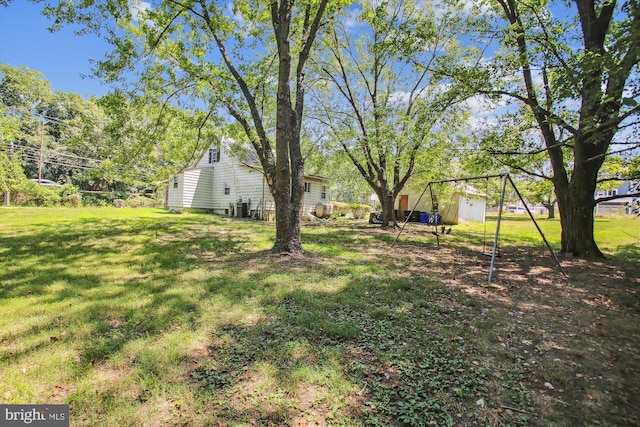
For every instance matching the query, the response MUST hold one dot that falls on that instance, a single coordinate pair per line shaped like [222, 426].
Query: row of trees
[395, 85]
[107, 147]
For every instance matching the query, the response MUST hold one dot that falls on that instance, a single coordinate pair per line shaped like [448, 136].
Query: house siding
[617, 206]
[197, 188]
[174, 198]
[314, 196]
[423, 206]
[470, 209]
[245, 185]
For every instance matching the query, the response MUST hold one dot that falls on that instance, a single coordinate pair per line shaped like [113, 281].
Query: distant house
[465, 204]
[220, 182]
[622, 205]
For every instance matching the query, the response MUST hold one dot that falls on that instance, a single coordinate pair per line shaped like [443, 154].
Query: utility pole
[7, 194]
[41, 146]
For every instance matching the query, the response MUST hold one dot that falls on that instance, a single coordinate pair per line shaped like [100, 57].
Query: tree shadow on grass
[96, 285]
[630, 252]
[401, 336]
[425, 337]
[422, 340]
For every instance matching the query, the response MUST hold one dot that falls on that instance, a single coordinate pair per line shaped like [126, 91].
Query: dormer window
[214, 156]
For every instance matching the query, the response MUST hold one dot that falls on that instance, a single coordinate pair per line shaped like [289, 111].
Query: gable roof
[244, 154]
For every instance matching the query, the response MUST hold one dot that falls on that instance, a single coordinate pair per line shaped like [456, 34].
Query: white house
[621, 205]
[465, 204]
[222, 183]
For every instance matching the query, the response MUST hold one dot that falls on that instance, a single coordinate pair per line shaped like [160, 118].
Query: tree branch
[526, 153]
[534, 106]
[619, 196]
[528, 172]
[599, 156]
[264, 147]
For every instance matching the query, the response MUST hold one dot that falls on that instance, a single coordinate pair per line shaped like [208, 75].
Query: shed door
[403, 205]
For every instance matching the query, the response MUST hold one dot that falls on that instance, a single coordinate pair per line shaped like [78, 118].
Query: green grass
[141, 317]
[615, 236]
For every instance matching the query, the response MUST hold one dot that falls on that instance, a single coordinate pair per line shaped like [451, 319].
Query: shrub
[11, 173]
[340, 209]
[68, 189]
[31, 193]
[74, 200]
[143, 202]
[359, 211]
[98, 199]
[119, 203]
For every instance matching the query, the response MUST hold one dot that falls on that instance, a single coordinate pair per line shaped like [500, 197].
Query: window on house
[323, 192]
[227, 190]
[214, 155]
[607, 193]
[307, 187]
[175, 182]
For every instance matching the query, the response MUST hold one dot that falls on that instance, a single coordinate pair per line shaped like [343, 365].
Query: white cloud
[235, 15]
[137, 9]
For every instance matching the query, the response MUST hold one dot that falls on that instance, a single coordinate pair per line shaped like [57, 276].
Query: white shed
[465, 204]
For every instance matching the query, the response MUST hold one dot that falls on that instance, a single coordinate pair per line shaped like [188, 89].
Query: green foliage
[23, 90]
[119, 203]
[194, 55]
[29, 193]
[107, 144]
[11, 174]
[346, 184]
[340, 209]
[98, 199]
[353, 210]
[144, 202]
[74, 200]
[68, 189]
[359, 211]
[634, 168]
[577, 95]
[9, 126]
[386, 99]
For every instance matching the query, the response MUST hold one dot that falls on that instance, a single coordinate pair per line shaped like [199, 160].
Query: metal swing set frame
[505, 178]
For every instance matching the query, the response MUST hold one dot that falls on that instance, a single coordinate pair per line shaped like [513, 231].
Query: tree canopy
[386, 103]
[573, 68]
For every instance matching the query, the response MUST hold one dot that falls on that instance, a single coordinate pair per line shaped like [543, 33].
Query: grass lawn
[138, 317]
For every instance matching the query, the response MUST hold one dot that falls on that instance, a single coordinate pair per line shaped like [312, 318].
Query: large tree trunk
[388, 213]
[288, 194]
[287, 227]
[575, 203]
[288, 189]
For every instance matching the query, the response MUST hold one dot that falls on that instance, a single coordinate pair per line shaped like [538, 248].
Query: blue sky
[62, 56]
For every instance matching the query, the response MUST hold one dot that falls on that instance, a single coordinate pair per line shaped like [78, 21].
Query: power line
[59, 159]
[53, 157]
